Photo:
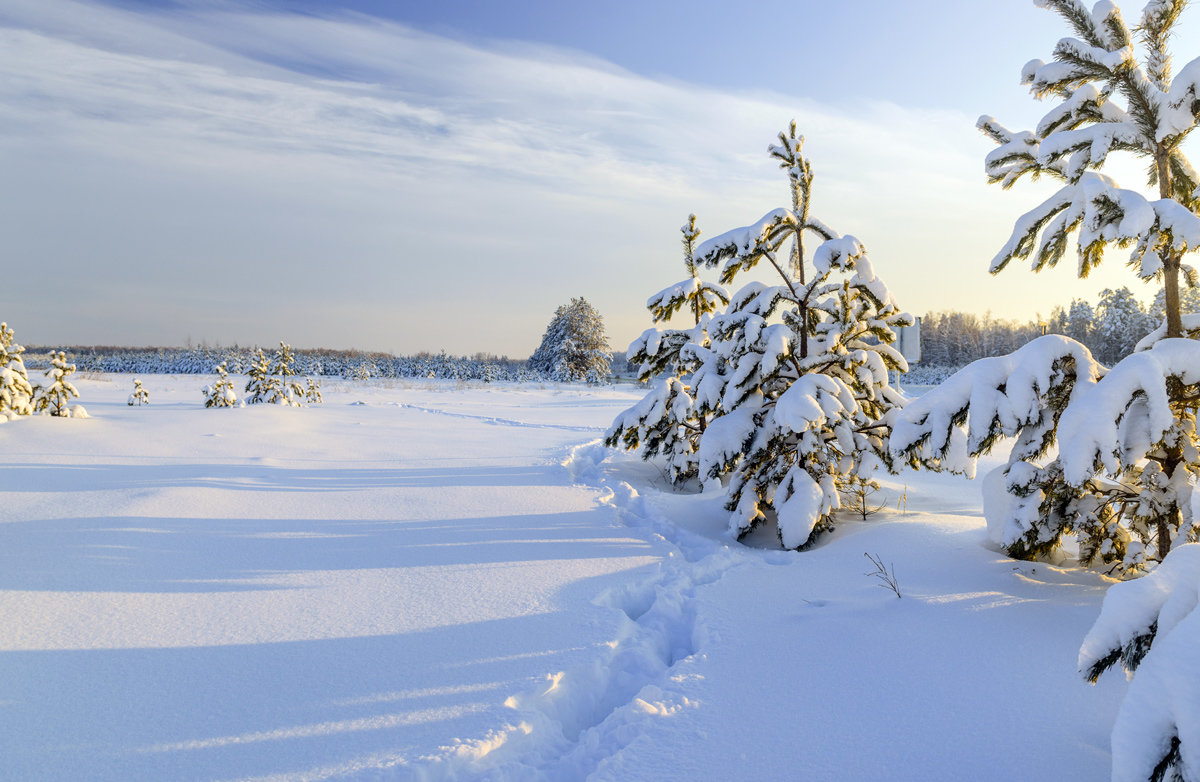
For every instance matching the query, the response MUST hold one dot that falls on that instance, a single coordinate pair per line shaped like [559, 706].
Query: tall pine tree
[1122, 482]
[1110, 456]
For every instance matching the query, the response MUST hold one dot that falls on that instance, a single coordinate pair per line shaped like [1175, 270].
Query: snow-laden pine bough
[1090, 447]
[1109, 455]
[786, 392]
[1152, 626]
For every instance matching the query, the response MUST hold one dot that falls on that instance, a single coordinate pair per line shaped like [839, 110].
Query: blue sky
[425, 176]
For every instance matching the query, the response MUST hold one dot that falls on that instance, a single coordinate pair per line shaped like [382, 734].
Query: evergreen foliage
[140, 395]
[55, 398]
[575, 346]
[1128, 499]
[794, 375]
[287, 390]
[261, 383]
[667, 421]
[312, 391]
[1081, 323]
[16, 393]
[274, 380]
[314, 362]
[1120, 323]
[220, 393]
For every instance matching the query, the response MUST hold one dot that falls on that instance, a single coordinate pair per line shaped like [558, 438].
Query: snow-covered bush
[220, 393]
[1126, 444]
[575, 346]
[1151, 626]
[667, 421]
[140, 395]
[16, 393]
[55, 398]
[288, 391]
[273, 380]
[795, 373]
[312, 391]
[261, 383]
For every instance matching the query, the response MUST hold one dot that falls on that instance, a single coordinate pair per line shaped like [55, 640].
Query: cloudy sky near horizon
[424, 176]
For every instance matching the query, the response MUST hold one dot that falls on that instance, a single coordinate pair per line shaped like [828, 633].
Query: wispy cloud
[241, 175]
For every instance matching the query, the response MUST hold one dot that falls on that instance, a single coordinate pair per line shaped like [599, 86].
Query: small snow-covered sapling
[140, 395]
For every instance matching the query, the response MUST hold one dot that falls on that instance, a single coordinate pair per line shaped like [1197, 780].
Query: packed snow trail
[778, 665]
[569, 727]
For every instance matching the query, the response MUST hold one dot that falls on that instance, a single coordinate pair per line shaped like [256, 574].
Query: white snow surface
[434, 581]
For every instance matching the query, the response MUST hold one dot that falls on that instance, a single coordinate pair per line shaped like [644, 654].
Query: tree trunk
[1171, 264]
[800, 209]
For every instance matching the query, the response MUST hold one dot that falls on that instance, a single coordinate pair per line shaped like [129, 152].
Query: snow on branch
[1157, 731]
[743, 247]
[1014, 156]
[1105, 214]
[1092, 58]
[1004, 396]
[739, 243]
[664, 304]
[1191, 329]
[1182, 103]
[1117, 423]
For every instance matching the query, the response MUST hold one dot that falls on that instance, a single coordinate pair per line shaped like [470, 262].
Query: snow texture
[445, 583]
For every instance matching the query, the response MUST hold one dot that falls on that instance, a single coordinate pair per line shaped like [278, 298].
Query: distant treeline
[315, 362]
[949, 340]
[1110, 329]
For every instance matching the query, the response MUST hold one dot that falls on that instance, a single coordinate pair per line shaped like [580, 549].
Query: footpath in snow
[454, 583]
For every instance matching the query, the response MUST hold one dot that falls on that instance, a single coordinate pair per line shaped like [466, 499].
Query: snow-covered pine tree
[1081, 321]
[797, 371]
[261, 383]
[1121, 322]
[16, 393]
[575, 346]
[1126, 444]
[312, 391]
[286, 390]
[55, 398]
[666, 421]
[220, 393]
[140, 395]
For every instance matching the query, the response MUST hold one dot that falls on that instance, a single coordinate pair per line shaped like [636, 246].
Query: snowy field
[433, 581]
